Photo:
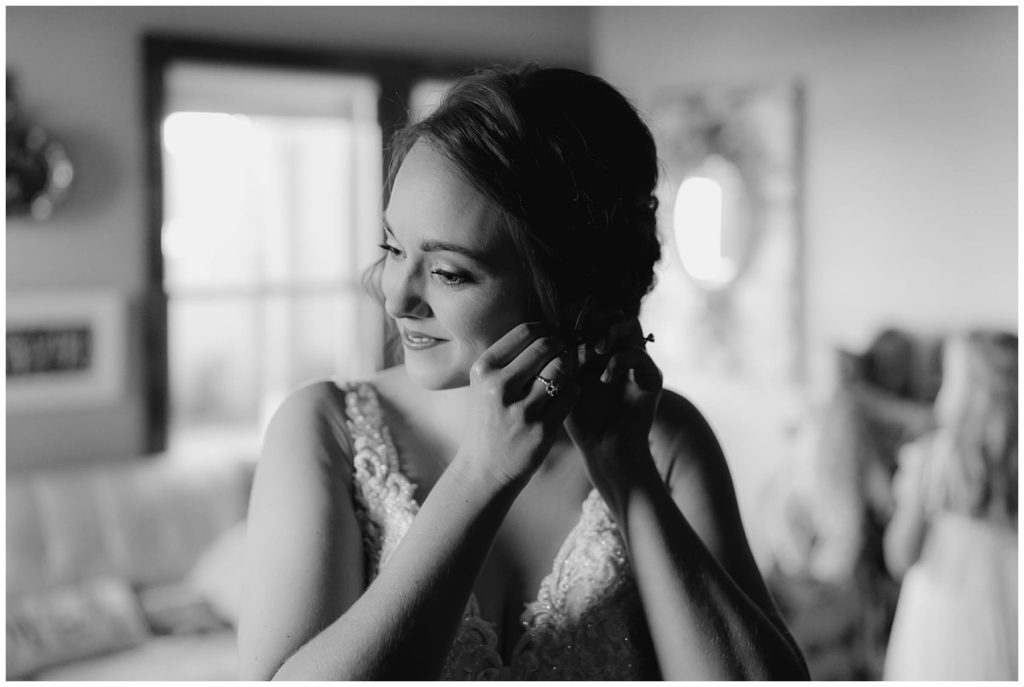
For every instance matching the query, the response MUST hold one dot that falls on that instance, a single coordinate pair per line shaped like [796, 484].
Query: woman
[953, 535]
[520, 499]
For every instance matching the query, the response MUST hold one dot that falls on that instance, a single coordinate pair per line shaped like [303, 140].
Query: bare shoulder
[303, 541]
[311, 399]
[698, 477]
[309, 425]
[682, 440]
[321, 403]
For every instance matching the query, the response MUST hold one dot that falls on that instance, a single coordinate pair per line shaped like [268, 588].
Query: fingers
[553, 392]
[510, 366]
[559, 407]
[508, 347]
[622, 332]
[646, 374]
[534, 358]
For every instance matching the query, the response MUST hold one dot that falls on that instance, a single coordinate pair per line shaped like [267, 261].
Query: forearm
[702, 623]
[403, 624]
[904, 538]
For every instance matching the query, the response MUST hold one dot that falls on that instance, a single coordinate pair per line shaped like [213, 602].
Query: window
[265, 179]
[271, 187]
[425, 96]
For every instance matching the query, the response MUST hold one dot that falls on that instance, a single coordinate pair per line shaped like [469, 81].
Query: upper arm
[701, 485]
[304, 561]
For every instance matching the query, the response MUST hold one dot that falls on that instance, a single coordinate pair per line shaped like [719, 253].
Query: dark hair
[572, 169]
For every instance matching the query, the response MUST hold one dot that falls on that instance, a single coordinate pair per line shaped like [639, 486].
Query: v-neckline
[413, 506]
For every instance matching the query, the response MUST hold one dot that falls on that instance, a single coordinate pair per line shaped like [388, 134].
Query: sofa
[127, 570]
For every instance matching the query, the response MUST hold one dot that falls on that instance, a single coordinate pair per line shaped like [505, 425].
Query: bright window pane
[271, 214]
[213, 351]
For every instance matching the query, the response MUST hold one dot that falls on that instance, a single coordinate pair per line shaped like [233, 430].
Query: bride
[520, 499]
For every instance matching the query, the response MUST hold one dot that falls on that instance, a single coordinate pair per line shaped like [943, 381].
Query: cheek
[482, 322]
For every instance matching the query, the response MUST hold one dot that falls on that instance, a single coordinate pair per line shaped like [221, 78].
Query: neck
[448, 410]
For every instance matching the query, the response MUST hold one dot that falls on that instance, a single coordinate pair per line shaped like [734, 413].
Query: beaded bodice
[586, 622]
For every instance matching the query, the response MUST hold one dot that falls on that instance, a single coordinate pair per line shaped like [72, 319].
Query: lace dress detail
[586, 622]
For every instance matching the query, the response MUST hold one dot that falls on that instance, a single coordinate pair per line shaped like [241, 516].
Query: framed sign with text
[64, 349]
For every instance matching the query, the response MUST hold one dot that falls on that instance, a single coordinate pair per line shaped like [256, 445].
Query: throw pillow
[60, 625]
[178, 609]
[217, 575]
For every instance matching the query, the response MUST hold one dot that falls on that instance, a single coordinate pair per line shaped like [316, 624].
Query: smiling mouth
[416, 340]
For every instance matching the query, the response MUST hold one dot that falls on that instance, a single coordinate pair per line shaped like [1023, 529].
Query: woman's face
[451, 280]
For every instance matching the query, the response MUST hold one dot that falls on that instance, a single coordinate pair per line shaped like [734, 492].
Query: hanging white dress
[956, 618]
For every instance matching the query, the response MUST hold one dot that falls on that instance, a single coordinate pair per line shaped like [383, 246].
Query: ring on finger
[550, 386]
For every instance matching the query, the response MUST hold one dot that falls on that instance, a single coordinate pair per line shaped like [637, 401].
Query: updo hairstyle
[571, 168]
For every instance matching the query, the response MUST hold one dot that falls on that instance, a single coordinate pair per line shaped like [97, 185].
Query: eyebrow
[433, 246]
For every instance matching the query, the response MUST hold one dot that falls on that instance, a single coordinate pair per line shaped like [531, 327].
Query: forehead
[431, 201]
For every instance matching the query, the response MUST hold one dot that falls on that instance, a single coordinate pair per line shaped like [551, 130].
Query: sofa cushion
[178, 608]
[91, 617]
[218, 574]
[145, 520]
[209, 656]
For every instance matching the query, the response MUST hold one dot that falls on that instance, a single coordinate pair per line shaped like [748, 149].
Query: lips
[418, 340]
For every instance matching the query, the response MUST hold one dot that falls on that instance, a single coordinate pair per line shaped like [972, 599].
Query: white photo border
[103, 312]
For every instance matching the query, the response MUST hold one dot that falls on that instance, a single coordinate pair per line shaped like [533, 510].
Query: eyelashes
[444, 277]
[450, 278]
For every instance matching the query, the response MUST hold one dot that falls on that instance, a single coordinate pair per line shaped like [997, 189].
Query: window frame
[395, 73]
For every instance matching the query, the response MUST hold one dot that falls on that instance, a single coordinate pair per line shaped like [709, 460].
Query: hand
[619, 387]
[516, 420]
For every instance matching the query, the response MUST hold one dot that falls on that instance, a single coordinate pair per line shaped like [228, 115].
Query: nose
[403, 293]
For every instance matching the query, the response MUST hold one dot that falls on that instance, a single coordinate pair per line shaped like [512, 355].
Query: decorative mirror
[39, 172]
[712, 222]
[729, 283]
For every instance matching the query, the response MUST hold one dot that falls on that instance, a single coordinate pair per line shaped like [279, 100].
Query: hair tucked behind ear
[571, 167]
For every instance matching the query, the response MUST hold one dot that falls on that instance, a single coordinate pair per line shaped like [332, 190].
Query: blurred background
[194, 194]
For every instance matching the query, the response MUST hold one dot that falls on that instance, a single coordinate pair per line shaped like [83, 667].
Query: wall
[911, 155]
[911, 207]
[910, 163]
[78, 73]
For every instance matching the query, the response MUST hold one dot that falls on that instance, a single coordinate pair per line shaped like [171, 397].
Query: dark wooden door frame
[395, 73]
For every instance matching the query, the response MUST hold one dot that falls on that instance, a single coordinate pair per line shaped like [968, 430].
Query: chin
[435, 377]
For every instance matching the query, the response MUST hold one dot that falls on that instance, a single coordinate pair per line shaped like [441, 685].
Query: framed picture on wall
[64, 349]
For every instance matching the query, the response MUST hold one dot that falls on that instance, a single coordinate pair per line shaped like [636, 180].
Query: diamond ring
[550, 386]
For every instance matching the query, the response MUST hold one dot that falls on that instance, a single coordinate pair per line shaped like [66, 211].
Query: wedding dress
[956, 618]
[586, 622]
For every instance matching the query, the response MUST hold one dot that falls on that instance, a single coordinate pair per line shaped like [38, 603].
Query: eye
[450, 278]
[388, 248]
